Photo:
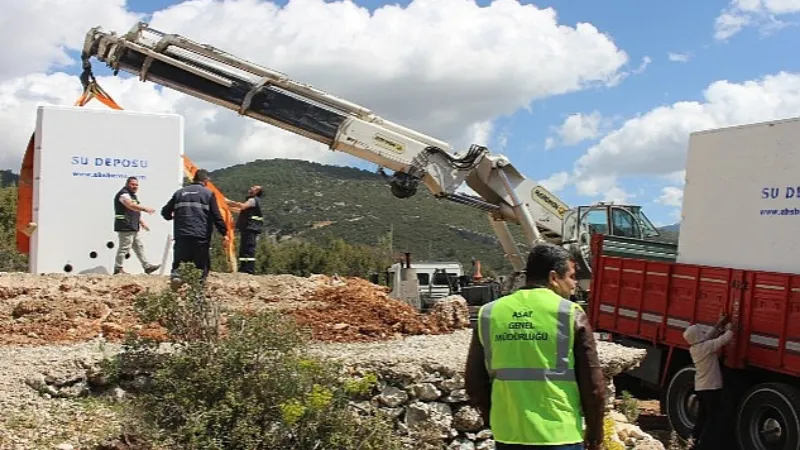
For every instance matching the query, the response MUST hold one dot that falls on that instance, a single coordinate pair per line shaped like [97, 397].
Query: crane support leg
[507, 241]
[522, 213]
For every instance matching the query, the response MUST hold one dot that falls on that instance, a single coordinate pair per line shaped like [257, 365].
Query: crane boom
[263, 94]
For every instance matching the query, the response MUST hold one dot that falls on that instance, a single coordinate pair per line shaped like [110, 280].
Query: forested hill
[314, 201]
[8, 178]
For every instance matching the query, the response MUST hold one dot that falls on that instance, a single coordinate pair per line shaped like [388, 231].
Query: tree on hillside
[10, 259]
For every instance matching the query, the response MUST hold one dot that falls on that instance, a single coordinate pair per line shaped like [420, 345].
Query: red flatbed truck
[648, 302]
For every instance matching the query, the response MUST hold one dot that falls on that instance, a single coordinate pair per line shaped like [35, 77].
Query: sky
[593, 99]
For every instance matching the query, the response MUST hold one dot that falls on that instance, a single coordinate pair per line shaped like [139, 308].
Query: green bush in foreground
[250, 387]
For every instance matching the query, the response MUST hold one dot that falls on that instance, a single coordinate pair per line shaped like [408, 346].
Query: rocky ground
[51, 326]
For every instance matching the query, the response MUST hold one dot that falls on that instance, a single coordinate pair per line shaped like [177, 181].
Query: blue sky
[643, 30]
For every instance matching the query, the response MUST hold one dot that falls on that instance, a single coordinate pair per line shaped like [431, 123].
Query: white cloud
[37, 33]
[643, 65]
[677, 177]
[761, 13]
[577, 128]
[679, 57]
[671, 196]
[480, 133]
[556, 181]
[402, 62]
[616, 195]
[655, 143]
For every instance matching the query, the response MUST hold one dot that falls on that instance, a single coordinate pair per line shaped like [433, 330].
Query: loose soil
[48, 309]
[355, 310]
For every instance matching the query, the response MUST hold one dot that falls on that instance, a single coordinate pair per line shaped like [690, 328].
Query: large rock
[451, 312]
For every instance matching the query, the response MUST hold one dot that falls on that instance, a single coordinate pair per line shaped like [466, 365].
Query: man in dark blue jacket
[249, 223]
[195, 213]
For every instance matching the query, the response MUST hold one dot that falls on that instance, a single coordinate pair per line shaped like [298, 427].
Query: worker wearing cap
[127, 223]
[195, 213]
[704, 349]
[532, 367]
[249, 224]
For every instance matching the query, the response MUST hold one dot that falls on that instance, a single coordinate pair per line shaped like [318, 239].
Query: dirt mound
[39, 309]
[43, 309]
[355, 310]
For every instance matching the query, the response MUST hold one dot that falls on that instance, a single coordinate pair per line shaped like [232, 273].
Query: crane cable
[91, 91]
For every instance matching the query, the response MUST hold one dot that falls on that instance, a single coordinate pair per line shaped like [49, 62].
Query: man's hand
[226, 240]
[144, 226]
[593, 446]
[148, 210]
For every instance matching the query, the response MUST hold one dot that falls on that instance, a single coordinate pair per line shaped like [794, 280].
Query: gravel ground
[36, 422]
[31, 421]
[449, 351]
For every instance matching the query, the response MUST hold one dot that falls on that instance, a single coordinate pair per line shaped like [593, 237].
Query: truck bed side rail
[624, 247]
[655, 301]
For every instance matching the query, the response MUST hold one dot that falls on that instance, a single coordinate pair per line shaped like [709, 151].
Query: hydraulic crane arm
[263, 94]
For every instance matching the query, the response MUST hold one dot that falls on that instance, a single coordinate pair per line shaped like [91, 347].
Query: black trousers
[247, 251]
[191, 250]
[711, 420]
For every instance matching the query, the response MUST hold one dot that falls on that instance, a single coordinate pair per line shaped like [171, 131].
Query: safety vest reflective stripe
[527, 374]
[256, 218]
[119, 217]
[247, 259]
[562, 372]
[190, 205]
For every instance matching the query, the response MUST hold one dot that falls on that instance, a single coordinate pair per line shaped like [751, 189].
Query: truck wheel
[681, 402]
[769, 418]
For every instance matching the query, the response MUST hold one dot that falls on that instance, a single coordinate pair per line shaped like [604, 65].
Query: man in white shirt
[705, 349]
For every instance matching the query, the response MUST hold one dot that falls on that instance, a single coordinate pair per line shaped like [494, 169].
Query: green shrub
[629, 407]
[250, 385]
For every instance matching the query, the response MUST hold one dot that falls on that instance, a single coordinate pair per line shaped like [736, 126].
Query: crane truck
[642, 292]
[266, 95]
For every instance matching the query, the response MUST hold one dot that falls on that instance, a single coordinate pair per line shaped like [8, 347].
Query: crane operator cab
[627, 223]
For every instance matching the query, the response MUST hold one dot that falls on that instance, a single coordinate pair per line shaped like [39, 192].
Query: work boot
[118, 271]
[151, 268]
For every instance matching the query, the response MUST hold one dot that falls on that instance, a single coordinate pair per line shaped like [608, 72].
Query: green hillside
[315, 202]
[8, 178]
[308, 203]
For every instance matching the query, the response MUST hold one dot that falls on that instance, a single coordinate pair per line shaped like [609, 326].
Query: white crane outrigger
[269, 96]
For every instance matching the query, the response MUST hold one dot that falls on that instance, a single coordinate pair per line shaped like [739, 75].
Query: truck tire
[769, 418]
[681, 402]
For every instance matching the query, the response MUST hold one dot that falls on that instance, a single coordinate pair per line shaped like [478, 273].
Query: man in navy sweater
[195, 213]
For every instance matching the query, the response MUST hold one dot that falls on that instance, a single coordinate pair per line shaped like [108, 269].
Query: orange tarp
[25, 199]
[25, 189]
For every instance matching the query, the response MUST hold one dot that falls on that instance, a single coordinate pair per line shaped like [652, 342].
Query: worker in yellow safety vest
[532, 368]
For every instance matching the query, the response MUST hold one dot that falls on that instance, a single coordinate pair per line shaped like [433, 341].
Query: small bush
[676, 443]
[629, 407]
[251, 387]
